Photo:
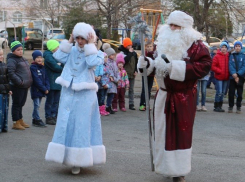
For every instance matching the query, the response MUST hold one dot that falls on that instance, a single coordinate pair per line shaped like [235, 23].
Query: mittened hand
[141, 62]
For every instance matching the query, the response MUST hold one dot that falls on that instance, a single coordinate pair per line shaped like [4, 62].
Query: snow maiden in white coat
[77, 140]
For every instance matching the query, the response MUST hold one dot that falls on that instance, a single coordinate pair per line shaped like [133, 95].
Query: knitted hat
[36, 54]
[238, 43]
[180, 18]
[120, 58]
[223, 44]
[14, 45]
[83, 29]
[107, 49]
[126, 42]
[52, 44]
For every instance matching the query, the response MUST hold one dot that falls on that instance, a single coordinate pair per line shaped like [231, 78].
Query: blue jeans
[36, 105]
[221, 87]
[52, 103]
[101, 94]
[4, 107]
[203, 85]
[110, 97]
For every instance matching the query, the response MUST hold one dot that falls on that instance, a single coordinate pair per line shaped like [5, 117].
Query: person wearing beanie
[220, 67]
[211, 79]
[122, 85]
[40, 86]
[53, 69]
[77, 140]
[20, 80]
[131, 60]
[175, 103]
[237, 73]
[114, 78]
[4, 94]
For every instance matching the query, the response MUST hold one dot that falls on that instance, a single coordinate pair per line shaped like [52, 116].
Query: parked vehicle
[3, 42]
[34, 30]
[3, 34]
[58, 37]
[136, 43]
[33, 40]
[53, 31]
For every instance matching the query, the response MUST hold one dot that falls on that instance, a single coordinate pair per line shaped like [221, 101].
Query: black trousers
[232, 88]
[18, 101]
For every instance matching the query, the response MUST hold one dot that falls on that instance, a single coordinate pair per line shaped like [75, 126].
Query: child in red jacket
[220, 67]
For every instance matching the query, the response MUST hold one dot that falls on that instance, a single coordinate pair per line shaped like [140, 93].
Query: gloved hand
[141, 62]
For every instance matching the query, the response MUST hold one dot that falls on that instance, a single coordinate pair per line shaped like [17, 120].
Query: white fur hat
[180, 18]
[83, 29]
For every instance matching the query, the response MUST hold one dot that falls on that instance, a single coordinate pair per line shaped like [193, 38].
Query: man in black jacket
[20, 80]
[131, 60]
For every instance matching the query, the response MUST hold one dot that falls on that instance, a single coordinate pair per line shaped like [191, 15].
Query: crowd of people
[83, 82]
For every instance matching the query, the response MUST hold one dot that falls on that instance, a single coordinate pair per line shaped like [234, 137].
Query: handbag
[241, 79]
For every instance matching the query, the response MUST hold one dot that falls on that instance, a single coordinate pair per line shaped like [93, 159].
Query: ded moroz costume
[77, 139]
[175, 102]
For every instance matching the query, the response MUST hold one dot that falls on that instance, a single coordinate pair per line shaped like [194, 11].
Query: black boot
[109, 109]
[38, 123]
[220, 107]
[216, 107]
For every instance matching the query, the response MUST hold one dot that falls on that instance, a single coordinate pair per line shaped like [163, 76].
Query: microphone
[163, 56]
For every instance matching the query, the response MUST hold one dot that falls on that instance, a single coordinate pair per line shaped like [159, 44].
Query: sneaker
[238, 110]
[38, 123]
[198, 109]
[123, 109]
[50, 121]
[142, 108]
[75, 170]
[203, 108]
[131, 106]
[230, 109]
[115, 110]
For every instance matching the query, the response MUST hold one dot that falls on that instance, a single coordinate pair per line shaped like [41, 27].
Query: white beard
[174, 44]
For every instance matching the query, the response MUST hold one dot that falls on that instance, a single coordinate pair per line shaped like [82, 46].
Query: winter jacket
[131, 61]
[240, 58]
[19, 73]
[123, 79]
[220, 66]
[99, 70]
[53, 69]
[40, 81]
[113, 67]
[105, 79]
[4, 83]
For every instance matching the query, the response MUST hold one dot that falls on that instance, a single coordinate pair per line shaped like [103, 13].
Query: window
[3, 15]
[17, 17]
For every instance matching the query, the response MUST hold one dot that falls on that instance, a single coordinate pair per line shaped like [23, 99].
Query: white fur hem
[55, 152]
[90, 49]
[176, 163]
[84, 85]
[65, 46]
[99, 154]
[62, 82]
[79, 157]
[178, 70]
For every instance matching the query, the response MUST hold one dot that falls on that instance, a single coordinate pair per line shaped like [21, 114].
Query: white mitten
[141, 62]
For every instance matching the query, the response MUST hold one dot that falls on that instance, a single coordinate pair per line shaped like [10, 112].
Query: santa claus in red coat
[175, 103]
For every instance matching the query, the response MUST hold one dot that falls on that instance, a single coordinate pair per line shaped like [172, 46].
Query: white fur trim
[90, 49]
[55, 152]
[178, 70]
[65, 46]
[141, 62]
[83, 29]
[180, 18]
[62, 82]
[149, 69]
[84, 85]
[169, 163]
[99, 154]
[79, 157]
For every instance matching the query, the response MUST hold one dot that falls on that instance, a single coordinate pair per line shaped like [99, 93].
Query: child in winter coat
[20, 80]
[113, 78]
[122, 85]
[53, 69]
[102, 77]
[237, 71]
[4, 97]
[40, 86]
[220, 67]
[131, 61]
